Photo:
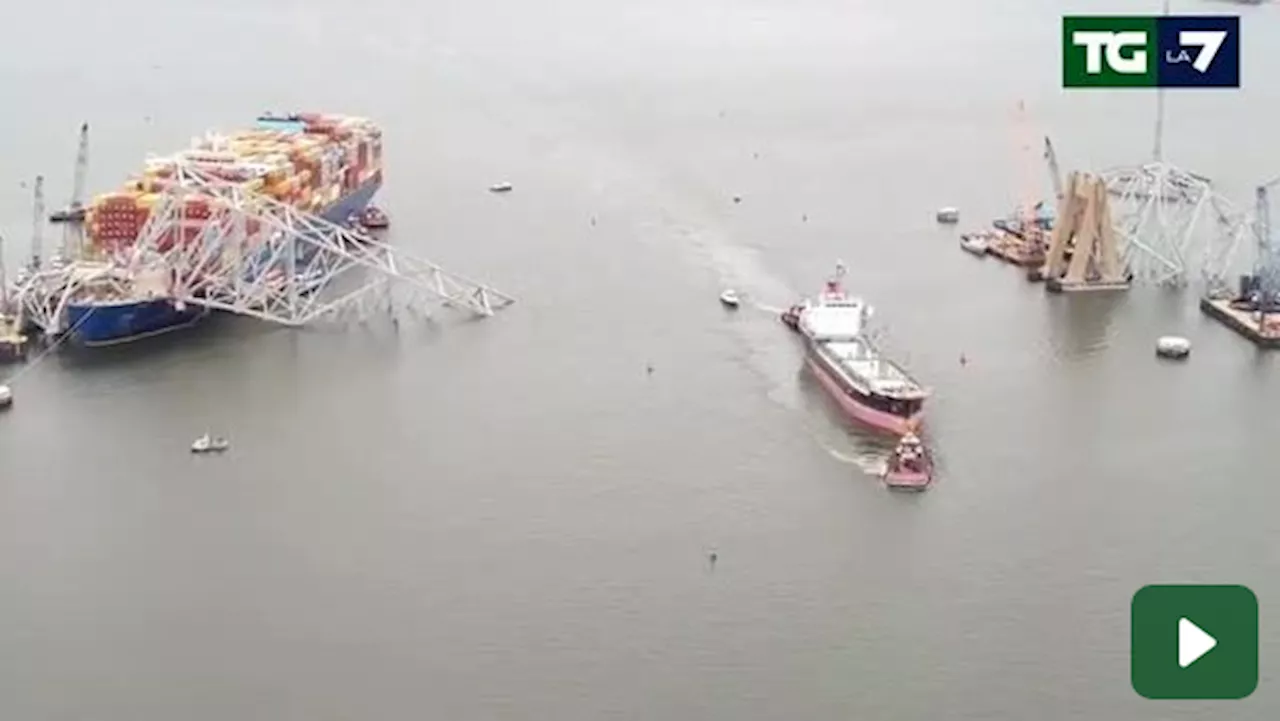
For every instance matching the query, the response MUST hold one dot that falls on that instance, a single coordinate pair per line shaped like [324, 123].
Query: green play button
[1194, 642]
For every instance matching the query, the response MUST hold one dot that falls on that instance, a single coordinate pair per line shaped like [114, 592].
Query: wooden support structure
[1083, 254]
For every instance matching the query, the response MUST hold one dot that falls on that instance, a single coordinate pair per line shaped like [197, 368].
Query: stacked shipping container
[312, 170]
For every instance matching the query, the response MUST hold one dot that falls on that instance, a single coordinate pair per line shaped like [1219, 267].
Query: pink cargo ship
[868, 387]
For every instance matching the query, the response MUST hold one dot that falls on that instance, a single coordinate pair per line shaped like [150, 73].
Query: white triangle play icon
[1193, 643]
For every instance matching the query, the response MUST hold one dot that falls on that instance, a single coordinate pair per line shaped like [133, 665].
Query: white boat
[500, 187]
[835, 315]
[730, 298]
[6, 397]
[975, 243]
[1172, 346]
[208, 444]
[948, 215]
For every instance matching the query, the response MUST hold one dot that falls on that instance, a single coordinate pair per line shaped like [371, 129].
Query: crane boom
[1267, 270]
[82, 167]
[1263, 220]
[1055, 174]
[4, 280]
[75, 211]
[37, 223]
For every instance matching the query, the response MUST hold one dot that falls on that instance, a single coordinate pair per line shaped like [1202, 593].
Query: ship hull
[354, 202]
[95, 325]
[908, 480]
[856, 409]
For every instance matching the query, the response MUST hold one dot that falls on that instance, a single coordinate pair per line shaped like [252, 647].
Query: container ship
[325, 165]
[869, 388]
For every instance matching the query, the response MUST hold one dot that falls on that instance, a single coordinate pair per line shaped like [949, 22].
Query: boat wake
[869, 462]
[770, 309]
[741, 268]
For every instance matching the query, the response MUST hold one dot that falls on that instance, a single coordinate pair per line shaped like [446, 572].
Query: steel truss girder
[259, 257]
[1172, 222]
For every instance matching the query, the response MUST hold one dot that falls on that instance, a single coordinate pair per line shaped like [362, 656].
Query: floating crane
[75, 211]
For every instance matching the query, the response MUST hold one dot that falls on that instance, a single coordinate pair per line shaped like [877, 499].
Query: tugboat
[791, 316]
[910, 468]
[374, 218]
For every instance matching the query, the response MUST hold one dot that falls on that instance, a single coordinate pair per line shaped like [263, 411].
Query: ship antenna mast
[37, 224]
[1157, 151]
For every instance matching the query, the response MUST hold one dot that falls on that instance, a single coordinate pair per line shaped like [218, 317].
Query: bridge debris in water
[257, 257]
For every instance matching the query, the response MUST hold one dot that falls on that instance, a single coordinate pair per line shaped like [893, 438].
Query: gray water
[510, 519]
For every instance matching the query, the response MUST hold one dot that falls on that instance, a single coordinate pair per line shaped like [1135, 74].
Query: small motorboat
[500, 188]
[1172, 346]
[975, 243]
[948, 215]
[374, 218]
[730, 298]
[910, 468]
[209, 444]
[6, 397]
[791, 316]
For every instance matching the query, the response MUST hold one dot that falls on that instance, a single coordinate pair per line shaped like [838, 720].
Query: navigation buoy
[1172, 346]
